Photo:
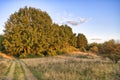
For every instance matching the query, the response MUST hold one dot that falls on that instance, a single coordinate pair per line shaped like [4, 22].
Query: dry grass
[2, 55]
[73, 67]
[4, 66]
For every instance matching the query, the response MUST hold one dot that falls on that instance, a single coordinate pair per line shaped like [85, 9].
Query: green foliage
[1, 44]
[94, 49]
[110, 49]
[31, 55]
[59, 52]
[82, 42]
[30, 31]
[92, 45]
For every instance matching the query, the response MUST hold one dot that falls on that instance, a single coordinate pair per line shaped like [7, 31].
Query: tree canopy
[31, 31]
[82, 42]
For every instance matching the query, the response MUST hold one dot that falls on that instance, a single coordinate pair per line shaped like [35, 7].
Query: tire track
[11, 72]
[18, 73]
[28, 73]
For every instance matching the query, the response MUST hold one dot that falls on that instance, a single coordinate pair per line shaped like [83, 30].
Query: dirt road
[11, 72]
[19, 71]
[28, 73]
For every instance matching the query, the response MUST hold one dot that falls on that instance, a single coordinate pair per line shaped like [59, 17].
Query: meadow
[73, 67]
[61, 67]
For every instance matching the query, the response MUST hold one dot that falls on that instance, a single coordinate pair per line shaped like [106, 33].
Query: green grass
[25, 78]
[8, 70]
[36, 73]
[16, 72]
[73, 69]
[19, 73]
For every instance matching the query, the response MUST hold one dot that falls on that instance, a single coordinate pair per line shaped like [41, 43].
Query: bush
[59, 52]
[114, 57]
[22, 56]
[94, 49]
[30, 55]
[111, 50]
[82, 49]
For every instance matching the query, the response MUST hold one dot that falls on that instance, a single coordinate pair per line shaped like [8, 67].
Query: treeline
[31, 32]
[109, 49]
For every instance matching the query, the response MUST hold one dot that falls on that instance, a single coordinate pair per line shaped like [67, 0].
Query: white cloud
[96, 39]
[68, 18]
[78, 21]
[84, 20]
[75, 23]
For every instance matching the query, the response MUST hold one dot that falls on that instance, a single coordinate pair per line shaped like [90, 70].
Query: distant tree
[82, 42]
[1, 44]
[93, 47]
[110, 49]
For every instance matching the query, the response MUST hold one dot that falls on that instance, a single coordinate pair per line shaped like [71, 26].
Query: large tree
[81, 42]
[25, 30]
[31, 31]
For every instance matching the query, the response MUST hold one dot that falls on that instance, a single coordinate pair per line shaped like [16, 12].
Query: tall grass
[4, 68]
[74, 69]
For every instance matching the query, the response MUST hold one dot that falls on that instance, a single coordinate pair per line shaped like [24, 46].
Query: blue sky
[99, 20]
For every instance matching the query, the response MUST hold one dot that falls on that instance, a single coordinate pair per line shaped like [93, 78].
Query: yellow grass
[73, 67]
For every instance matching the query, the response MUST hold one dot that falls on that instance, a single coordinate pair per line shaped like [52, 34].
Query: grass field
[73, 67]
[61, 67]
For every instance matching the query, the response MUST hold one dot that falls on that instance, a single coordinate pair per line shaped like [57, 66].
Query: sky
[98, 20]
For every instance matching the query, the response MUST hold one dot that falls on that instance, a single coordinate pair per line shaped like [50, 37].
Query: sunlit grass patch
[73, 68]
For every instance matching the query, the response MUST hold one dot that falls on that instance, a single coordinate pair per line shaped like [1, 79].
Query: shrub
[111, 50]
[94, 49]
[59, 52]
[82, 49]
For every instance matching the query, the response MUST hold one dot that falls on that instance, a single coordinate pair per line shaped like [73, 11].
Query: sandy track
[19, 72]
[28, 73]
[11, 72]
